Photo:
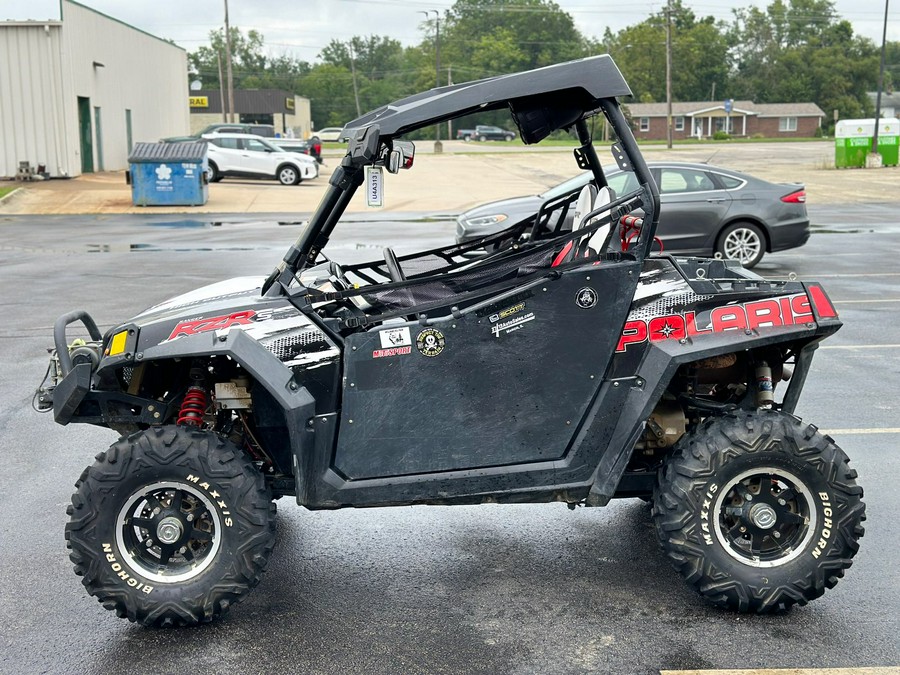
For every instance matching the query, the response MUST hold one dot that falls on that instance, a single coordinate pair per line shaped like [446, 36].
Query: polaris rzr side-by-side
[537, 364]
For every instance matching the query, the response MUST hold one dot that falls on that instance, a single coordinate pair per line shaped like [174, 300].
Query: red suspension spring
[193, 406]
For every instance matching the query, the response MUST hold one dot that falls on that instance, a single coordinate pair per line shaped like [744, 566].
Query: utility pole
[221, 86]
[877, 162]
[228, 66]
[669, 74]
[353, 72]
[437, 66]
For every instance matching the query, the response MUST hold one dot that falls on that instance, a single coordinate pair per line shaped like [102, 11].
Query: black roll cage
[540, 101]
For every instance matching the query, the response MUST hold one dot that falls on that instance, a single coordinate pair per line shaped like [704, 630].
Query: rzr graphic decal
[212, 323]
[785, 311]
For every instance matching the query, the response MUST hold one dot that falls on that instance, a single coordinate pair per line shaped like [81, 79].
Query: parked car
[264, 130]
[248, 156]
[705, 210]
[311, 147]
[484, 132]
[330, 134]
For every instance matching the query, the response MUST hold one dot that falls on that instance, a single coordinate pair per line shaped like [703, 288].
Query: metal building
[77, 94]
[282, 109]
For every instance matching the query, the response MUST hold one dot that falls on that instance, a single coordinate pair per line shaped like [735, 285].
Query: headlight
[484, 221]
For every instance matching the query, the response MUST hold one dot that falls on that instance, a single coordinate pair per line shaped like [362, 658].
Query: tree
[491, 37]
[700, 56]
[802, 51]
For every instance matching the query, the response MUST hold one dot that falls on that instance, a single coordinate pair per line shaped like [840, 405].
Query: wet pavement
[489, 589]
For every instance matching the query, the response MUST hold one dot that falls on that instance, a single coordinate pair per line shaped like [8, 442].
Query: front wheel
[212, 173]
[288, 175]
[170, 527]
[744, 242]
[482, 139]
[758, 511]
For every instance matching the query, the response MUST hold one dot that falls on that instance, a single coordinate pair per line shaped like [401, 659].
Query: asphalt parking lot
[490, 589]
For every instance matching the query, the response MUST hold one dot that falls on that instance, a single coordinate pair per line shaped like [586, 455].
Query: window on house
[787, 124]
[645, 124]
[679, 124]
[725, 124]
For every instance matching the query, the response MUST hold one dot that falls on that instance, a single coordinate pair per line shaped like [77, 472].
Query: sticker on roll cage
[430, 342]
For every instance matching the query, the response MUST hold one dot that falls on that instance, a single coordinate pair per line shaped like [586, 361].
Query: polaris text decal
[773, 312]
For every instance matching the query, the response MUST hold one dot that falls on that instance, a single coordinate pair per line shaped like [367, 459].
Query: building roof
[691, 108]
[247, 101]
[887, 98]
[789, 109]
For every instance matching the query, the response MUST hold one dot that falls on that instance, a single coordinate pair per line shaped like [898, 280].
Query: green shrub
[721, 136]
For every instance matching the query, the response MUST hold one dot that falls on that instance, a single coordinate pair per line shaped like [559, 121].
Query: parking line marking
[864, 274]
[860, 347]
[850, 432]
[890, 670]
[863, 302]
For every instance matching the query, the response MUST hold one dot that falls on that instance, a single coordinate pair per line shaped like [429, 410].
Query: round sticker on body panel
[586, 297]
[430, 342]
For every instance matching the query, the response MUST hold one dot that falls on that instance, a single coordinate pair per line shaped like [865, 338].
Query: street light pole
[880, 83]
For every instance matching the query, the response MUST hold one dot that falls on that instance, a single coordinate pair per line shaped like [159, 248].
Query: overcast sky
[303, 28]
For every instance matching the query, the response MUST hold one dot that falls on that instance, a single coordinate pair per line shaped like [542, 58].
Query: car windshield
[572, 184]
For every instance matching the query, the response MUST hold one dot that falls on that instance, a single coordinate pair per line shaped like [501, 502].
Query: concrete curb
[7, 197]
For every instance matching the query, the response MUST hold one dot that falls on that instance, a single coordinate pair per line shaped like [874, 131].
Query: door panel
[85, 134]
[508, 385]
[256, 158]
[692, 207]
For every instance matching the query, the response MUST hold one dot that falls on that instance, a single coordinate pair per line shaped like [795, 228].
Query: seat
[583, 206]
[598, 241]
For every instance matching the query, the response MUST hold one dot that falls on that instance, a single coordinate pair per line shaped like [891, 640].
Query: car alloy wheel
[288, 175]
[743, 242]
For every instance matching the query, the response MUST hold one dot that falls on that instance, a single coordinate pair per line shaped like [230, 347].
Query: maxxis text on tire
[171, 526]
[759, 511]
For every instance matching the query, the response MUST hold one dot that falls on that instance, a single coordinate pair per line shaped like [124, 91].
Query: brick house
[701, 119]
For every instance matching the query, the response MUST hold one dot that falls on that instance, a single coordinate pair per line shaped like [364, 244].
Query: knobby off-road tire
[759, 511]
[170, 527]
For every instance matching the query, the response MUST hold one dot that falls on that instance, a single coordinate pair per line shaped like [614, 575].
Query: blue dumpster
[169, 174]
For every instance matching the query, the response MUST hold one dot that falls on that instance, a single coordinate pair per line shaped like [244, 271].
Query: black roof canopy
[540, 100]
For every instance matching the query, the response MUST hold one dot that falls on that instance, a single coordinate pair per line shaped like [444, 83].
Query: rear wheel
[744, 242]
[758, 511]
[170, 527]
[288, 175]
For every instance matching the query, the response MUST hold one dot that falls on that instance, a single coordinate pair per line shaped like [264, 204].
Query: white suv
[249, 156]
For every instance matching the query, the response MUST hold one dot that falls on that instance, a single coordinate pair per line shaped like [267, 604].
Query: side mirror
[394, 160]
[400, 157]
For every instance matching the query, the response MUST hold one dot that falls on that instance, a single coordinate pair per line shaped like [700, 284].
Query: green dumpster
[853, 141]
